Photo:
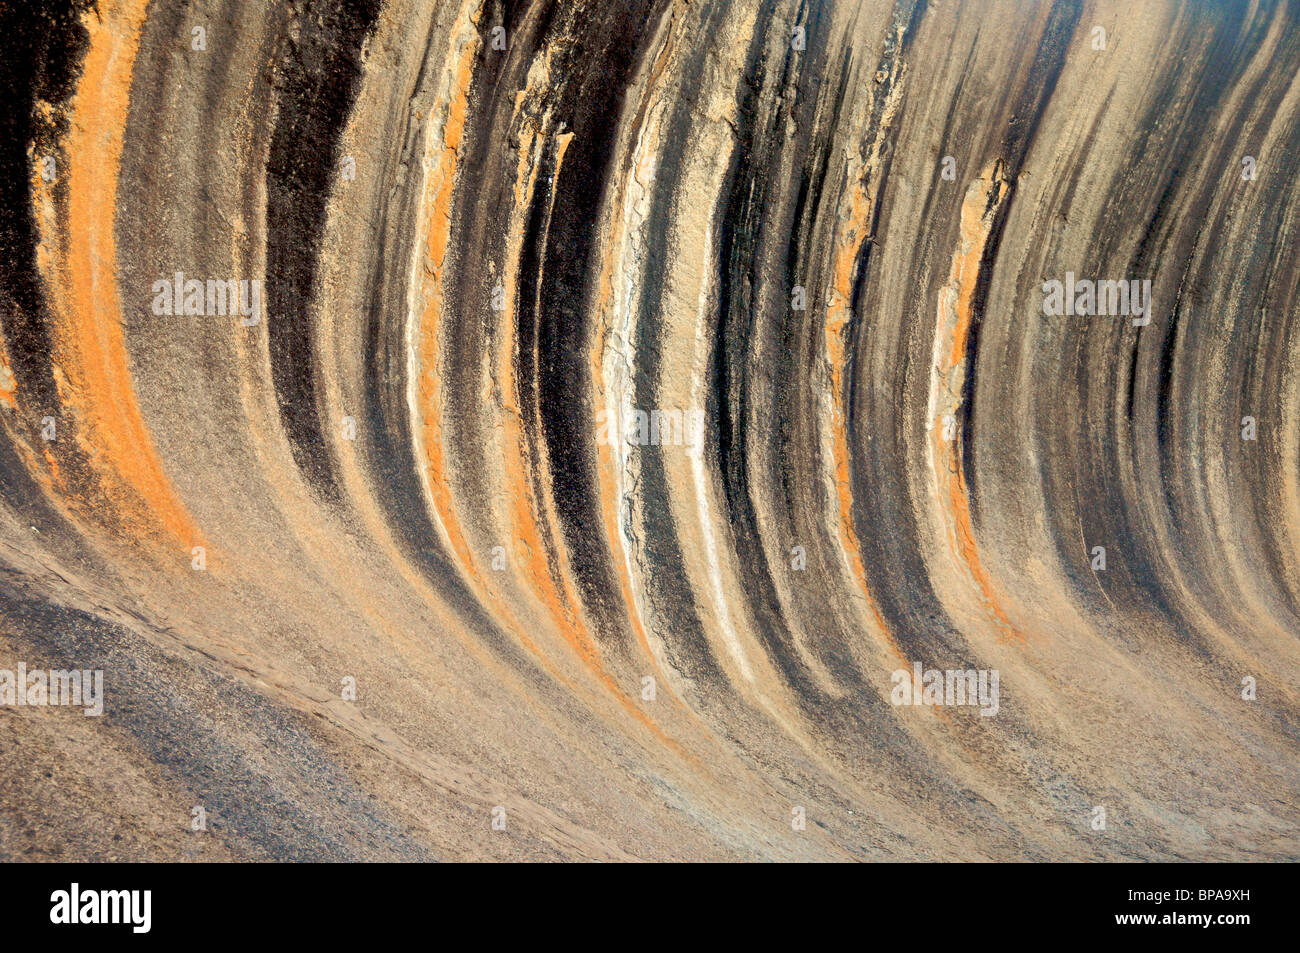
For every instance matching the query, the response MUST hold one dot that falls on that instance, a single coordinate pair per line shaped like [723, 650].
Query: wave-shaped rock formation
[466, 429]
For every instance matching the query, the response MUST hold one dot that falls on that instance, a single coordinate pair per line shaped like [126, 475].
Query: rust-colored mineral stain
[88, 341]
[8, 386]
[438, 196]
[838, 312]
[976, 222]
[562, 605]
[440, 188]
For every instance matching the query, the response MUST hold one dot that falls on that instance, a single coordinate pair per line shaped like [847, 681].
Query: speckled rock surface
[559, 430]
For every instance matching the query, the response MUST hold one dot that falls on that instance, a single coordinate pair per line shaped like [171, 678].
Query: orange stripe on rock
[848, 245]
[88, 343]
[979, 207]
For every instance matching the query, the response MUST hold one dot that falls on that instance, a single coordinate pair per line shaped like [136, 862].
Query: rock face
[581, 430]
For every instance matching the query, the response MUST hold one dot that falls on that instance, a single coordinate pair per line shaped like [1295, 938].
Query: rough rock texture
[484, 231]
